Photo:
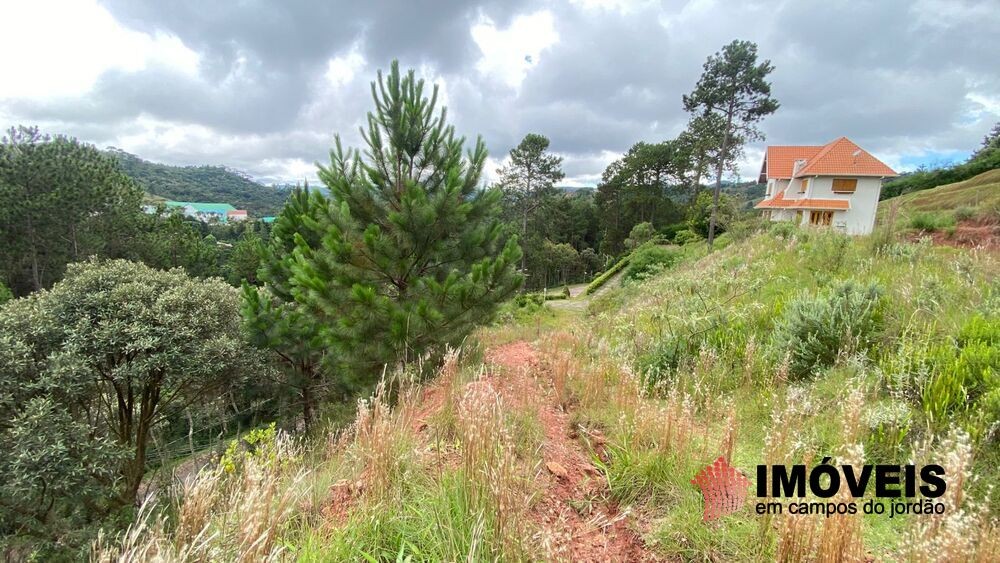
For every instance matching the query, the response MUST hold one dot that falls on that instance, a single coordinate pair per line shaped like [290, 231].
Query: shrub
[685, 236]
[782, 229]
[928, 221]
[528, 299]
[650, 259]
[607, 275]
[967, 377]
[964, 213]
[813, 330]
[640, 234]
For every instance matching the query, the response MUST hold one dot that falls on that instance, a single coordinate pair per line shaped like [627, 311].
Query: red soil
[573, 510]
[976, 233]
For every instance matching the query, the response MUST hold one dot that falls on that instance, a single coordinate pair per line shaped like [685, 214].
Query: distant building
[836, 185]
[237, 215]
[221, 212]
[268, 219]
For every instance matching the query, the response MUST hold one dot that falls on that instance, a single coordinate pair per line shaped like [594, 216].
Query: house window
[798, 217]
[821, 218]
[844, 185]
[803, 185]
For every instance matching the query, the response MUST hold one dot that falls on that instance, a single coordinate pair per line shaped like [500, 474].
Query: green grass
[979, 194]
[732, 300]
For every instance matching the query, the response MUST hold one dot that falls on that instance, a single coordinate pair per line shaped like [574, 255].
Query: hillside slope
[210, 184]
[981, 193]
[576, 436]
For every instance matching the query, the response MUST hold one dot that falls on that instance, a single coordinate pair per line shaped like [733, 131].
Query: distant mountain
[210, 184]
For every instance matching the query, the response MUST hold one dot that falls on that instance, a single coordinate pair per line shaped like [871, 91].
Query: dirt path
[579, 300]
[577, 520]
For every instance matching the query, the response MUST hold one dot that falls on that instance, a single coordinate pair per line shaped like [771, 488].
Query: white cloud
[58, 48]
[342, 69]
[509, 54]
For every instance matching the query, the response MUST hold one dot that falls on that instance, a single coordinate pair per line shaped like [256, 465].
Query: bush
[967, 377]
[640, 234]
[964, 213]
[607, 275]
[783, 229]
[650, 259]
[928, 221]
[813, 330]
[685, 236]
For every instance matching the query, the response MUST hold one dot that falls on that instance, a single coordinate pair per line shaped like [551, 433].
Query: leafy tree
[529, 177]
[735, 88]
[110, 352]
[699, 214]
[57, 477]
[991, 142]
[60, 201]
[561, 260]
[701, 143]
[273, 316]
[5, 294]
[640, 234]
[408, 257]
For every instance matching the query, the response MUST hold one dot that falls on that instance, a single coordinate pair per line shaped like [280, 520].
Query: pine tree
[275, 319]
[410, 257]
[61, 201]
[531, 174]
[735, 88]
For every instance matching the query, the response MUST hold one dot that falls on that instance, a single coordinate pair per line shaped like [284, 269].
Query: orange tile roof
[839, 157]
[779, 202]
[844, 157]
[780, 161]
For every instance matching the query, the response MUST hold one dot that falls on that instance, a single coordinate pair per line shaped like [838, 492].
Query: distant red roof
[237, 212]
[841, 157]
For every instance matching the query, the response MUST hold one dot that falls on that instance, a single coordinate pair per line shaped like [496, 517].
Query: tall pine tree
[411, 255]
[734, 87]
[528, 178]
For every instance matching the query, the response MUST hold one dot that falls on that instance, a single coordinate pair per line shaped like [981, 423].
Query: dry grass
[966, 531]
[497, 490]
[220, 515]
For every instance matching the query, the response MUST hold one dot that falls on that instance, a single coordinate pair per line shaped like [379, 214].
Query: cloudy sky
[263, 86]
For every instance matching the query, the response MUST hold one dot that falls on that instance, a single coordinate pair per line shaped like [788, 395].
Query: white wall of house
[860, 218]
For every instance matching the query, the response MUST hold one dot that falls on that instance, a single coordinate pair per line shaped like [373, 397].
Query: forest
[212, 184]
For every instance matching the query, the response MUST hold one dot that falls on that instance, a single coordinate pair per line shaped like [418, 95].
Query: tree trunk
[307, 405]
[723, 154]
[696, 189]
[136, 467]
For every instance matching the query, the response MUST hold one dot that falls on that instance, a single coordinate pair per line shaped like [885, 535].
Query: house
[836, 185]
[237, 215]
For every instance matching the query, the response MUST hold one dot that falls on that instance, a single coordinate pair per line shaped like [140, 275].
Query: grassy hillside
[983, 161]
[568, 436]
[212, 184]
[981, 194]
